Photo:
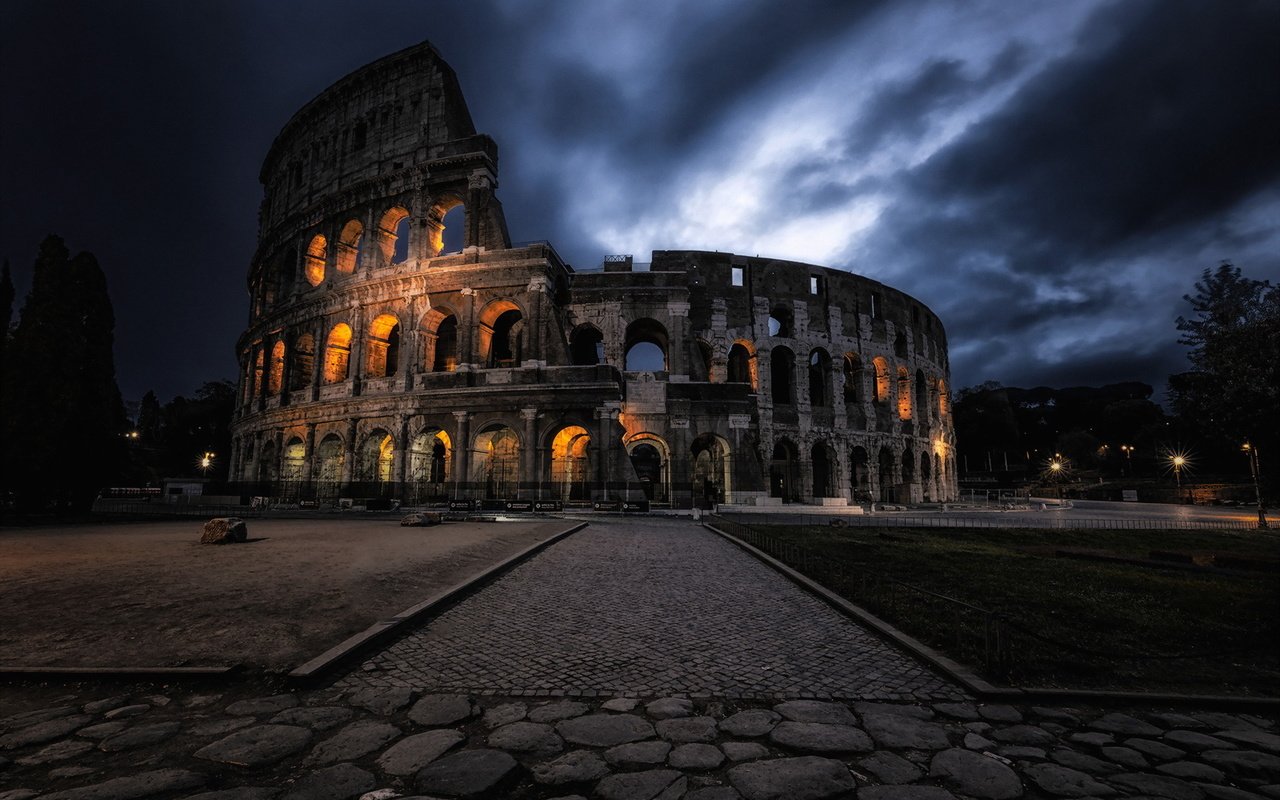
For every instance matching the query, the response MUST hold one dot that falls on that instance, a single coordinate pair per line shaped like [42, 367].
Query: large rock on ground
[975, 775]
[257, 746]
[422, 519]
[143, 784]
[470, 773]
[224, 530]
[412, 754]
[605, 730]
[821, 737]
[896, 731]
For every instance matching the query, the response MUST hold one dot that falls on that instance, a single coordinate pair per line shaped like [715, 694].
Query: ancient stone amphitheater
[377, 364]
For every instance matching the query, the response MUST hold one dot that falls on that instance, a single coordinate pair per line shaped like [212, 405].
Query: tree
[63, 419]
[1233, 388]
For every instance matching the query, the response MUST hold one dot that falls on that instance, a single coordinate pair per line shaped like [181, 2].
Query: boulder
[422, 519]
[224, 530]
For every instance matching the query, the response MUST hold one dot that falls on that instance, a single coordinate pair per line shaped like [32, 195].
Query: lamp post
[1128, 457]
[1178, 461]
[1055, 471]
[1255, 467]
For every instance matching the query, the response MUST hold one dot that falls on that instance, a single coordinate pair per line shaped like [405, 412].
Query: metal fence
[957, 519]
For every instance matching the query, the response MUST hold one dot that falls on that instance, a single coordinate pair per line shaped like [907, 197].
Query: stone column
[678, 338]
[286, 374]
[355, 360]
[467, 358]
[318, 355]
[399, 468]
[309, 455]
[349, 454]
[534, 344]
[529, 461]
[462, 453]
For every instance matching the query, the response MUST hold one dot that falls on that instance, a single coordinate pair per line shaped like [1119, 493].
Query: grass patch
[1096, 615]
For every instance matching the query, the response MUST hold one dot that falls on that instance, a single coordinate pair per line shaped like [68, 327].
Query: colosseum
[381, 362]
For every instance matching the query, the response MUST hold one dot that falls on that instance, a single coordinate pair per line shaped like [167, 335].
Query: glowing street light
[1255, 467]
[206, 461]
[1128, 456]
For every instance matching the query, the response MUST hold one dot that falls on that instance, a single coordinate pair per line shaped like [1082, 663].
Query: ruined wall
[375, 363]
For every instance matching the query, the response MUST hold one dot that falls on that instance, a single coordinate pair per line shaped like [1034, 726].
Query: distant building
[376, 365]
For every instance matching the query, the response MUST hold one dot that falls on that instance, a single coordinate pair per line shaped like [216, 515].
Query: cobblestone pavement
[156, 742]
[648, 607]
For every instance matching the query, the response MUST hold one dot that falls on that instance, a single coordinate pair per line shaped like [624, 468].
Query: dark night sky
[1049, 177]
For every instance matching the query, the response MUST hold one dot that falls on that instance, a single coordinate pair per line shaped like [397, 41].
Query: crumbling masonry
[377, 365]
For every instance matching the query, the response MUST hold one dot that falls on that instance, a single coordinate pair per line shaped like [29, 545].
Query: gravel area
[148, 595]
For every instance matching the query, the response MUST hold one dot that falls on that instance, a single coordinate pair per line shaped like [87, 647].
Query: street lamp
[1055, 473]
[206, 461]
[1255, 467]
[1128, 457]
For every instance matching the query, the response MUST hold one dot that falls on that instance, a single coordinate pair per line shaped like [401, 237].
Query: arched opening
[497, 462]
[741, 364]
[329, 457]
[267, 467]
[646, 346]
[349, 242]
[821, 463]
[782, 472]
[393, 235]
[780, 321]
[710, 470]
[900, 345]
[430, 455]
[852, 378]
[453, 235]
[377, 456]
[908, 466]
[304, 362]
[275, 374]
[586, 346]
[650, 467]
[382, 358]
[926, 477]
[337, 353]
[294, 461]
[782, 370]
[904, 393]
[317, 251]
[441, 337]
[570, 467]
[858, 479]
[922, 397]
[887, 475]
[500, 326]
[882, 379]
[819, 378]
[259, 368]
[702, 370]
[944, 399]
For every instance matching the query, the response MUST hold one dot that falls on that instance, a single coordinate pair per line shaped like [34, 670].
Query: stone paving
[376, 744]
[648, 607]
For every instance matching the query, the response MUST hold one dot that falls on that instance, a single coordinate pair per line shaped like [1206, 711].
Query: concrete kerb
[976, 685]
[119, 673]
[318, 668]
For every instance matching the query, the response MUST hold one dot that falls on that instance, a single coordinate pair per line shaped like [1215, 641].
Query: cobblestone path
[648, 607]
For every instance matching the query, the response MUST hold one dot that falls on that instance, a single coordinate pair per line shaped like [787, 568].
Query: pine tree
[64, 418]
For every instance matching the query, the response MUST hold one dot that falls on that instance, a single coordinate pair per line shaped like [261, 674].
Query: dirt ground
[149, 595]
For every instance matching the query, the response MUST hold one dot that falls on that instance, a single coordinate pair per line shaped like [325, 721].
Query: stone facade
[378, 365]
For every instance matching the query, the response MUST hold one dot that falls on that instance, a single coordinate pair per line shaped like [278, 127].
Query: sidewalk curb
[117, 673]
[315, 670]
[975, 685]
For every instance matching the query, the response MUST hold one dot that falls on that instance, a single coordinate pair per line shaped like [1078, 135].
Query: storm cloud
[1049, 177]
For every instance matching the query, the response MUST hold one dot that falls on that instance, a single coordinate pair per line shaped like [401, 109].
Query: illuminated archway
[383, 354]
[317, 252]
[882, 379]
[501, 323]
[337, 353]
[393, 235]
[711, 470]
[742, 363]
[275, 373]
[570, 468]
[295, 454]
[904, 393]
[430, 461]
[349, 242]
[651, 461]
[377, 456]
[497, 462]
[328, 460]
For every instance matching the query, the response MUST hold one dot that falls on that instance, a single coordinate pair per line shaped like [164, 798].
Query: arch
[317, 252]
[922, 397]
[852, 367]
[887, 474]
[430, 460]
[377, 456]
[926, 476]
[742, 363]
[440, 339]
[944, 399]
[497, 461]
[650, 458]
[349, 241]
[904, 393]
[267, 466]
[782, 370]
[711, 469]
[858, 477]
[705, 359]
[448, 215]
[294, 460]
[570, 467]
[337, 353]
[501, 323]
[586, 346]
[329, 458]
[819, 378]
[645, 346]
[882, 379]
[259, 369]
[781, 321]
[393, 235]
[382, 350]
[782, 472]
[908, 465]
[275, 371]
[900, 345]
[821, 463]
[304, 362]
